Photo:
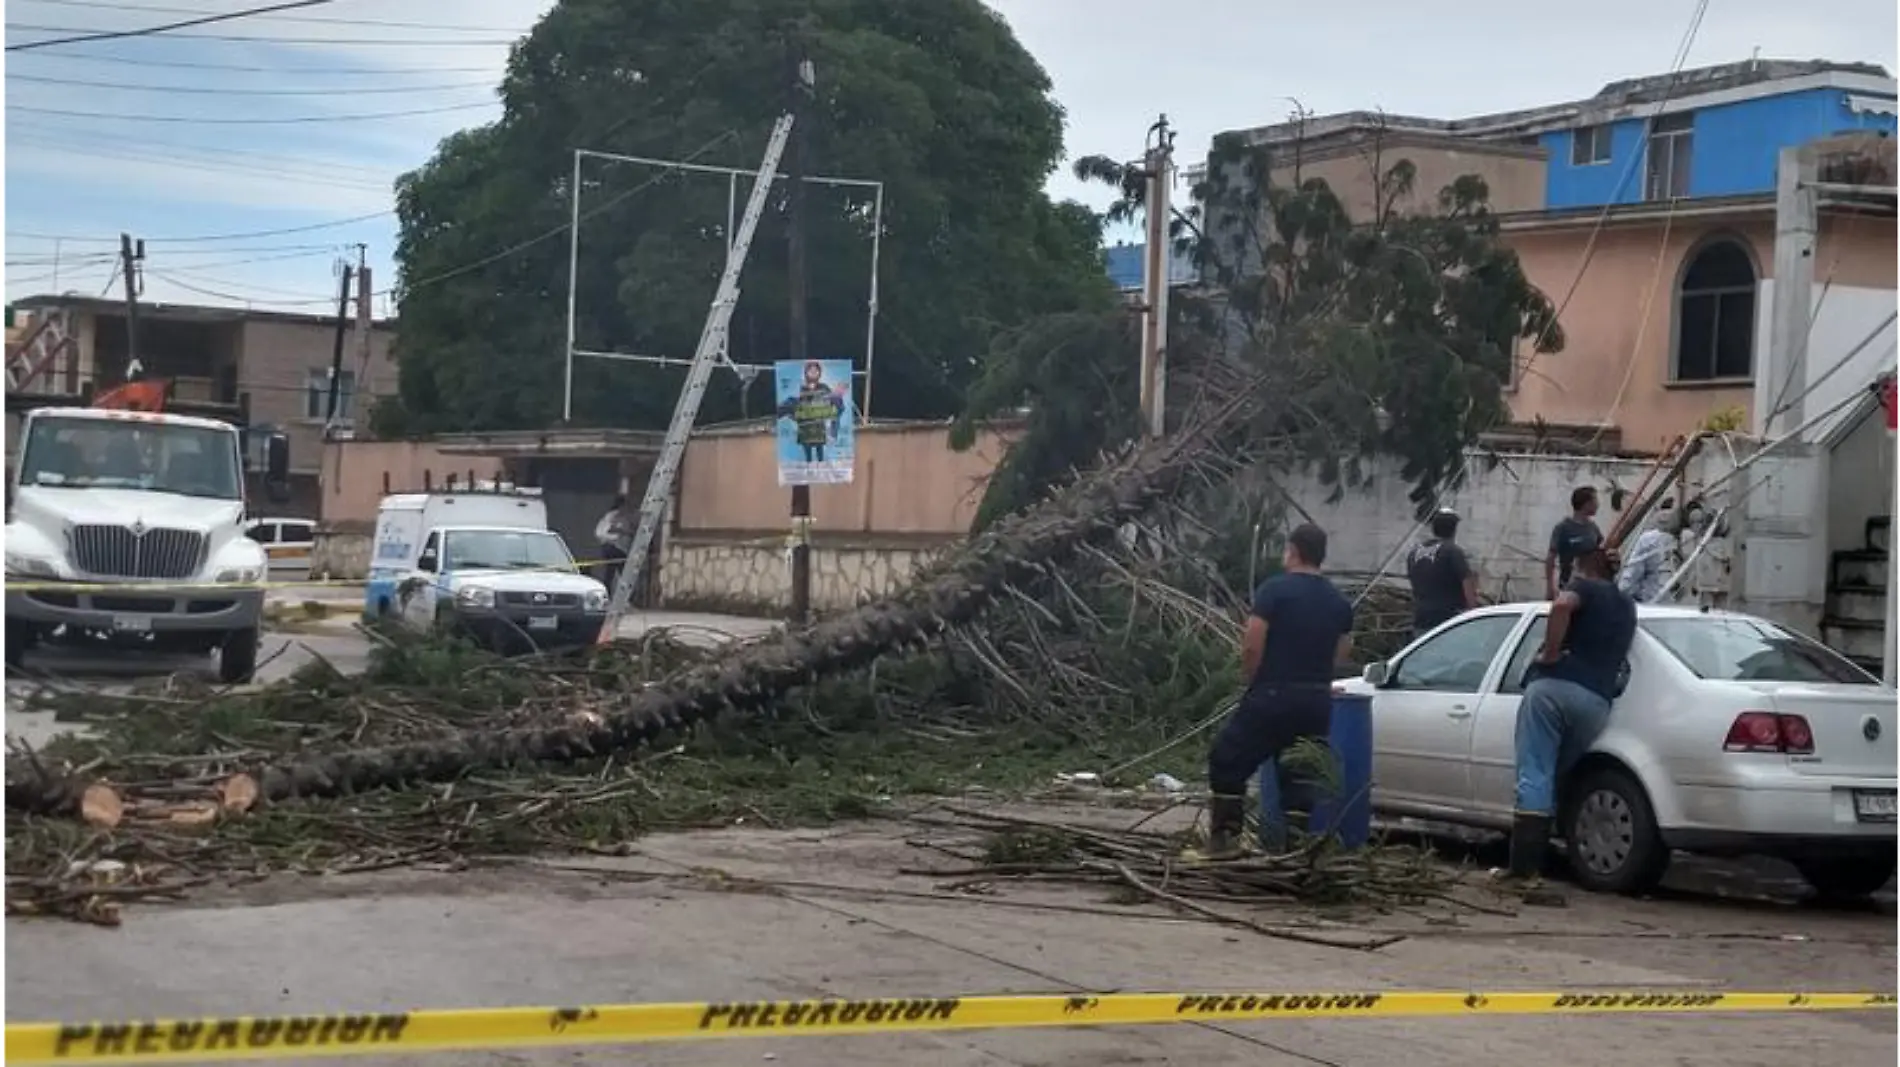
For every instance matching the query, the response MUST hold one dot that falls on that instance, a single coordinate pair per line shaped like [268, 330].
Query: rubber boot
[1226, 824]
[1530, 843]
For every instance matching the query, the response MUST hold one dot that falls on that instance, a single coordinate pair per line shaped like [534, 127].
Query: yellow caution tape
[150, 588]
[243, 1038]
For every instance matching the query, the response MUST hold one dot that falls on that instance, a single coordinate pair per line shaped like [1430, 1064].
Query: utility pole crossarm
[712, 341]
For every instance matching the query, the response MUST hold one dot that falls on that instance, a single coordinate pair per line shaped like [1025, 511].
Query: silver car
[1733, 736]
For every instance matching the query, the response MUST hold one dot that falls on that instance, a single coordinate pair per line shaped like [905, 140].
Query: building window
[1589, 145]
[317, 395]
[1715, 314]
[1671, 137]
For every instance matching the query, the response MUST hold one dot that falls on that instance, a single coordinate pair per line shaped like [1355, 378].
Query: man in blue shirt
[1300, 627]
[1566, 705]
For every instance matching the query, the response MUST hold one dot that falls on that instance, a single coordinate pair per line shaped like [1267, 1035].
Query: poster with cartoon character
[817, 439]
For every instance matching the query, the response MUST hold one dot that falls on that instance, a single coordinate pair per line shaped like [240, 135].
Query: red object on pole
[1888, 402]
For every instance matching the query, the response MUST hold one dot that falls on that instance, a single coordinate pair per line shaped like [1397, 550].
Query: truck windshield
[114, 454]
[1731, 649]
[505, 550]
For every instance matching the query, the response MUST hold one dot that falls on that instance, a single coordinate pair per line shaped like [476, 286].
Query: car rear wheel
[1846, 879]
[1611, 834]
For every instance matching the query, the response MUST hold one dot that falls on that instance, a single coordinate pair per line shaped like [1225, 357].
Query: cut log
[100, 806]
[237, 794]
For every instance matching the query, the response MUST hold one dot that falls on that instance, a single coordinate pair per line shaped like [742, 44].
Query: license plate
[549, 622]
[132, 624]
[1873, 807]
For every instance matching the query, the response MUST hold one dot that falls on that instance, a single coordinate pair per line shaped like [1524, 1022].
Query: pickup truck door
[1494, 734]
[1422, 714]
[418, 591]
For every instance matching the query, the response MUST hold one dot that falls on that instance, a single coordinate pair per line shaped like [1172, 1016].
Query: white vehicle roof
[103, 415]
[408, 501]
[480, 527]
[1643, 611]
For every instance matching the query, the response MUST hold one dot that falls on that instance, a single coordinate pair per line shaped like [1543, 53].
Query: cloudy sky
[160, 136]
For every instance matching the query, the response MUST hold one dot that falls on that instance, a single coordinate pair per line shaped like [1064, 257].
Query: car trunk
[1853, 726]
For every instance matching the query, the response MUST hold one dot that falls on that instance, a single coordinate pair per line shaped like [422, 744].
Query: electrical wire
[229, 91]
[382, 177]
[352, 42]
[220, 121]
[246, 69]
[113, 35]
[303, 177]
[167, 10]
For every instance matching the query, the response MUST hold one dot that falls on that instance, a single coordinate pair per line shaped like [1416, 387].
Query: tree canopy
[938, 101]
[1390, 335]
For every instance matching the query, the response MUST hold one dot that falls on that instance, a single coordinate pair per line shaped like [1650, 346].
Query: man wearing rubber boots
[1299, 628]
[1566, 705]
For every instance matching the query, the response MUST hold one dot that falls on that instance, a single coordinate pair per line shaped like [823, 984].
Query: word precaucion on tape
[240, 1038]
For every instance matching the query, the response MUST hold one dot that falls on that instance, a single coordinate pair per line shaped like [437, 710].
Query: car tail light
[1766, 731]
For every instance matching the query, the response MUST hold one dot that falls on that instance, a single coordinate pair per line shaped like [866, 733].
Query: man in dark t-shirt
[1566, 704]
[1300, 627]
[1573, 535]
[1443, 585]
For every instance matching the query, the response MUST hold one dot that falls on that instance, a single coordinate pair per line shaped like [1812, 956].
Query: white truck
[128, 528]
[483, 562]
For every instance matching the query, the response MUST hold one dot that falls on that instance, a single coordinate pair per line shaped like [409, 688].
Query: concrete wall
[1860, 481]
[1617, 366]
[278, 358]
[1515, 175]
[355, 472]
[749, 575]
[1508, 507]
[908, 482]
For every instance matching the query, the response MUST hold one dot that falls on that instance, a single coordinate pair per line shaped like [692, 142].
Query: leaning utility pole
[800, 348]
[131, 254]
[336, 354]
[1158, 168]
[365, 319]
[712, 341]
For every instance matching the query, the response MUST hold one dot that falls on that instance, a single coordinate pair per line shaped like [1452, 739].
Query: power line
[214, 153]
[166, 10]
[227, 91]
[409, 42]
[242, 68]
[292, 121]
[83, 36]
[206, 239]
[302, 177]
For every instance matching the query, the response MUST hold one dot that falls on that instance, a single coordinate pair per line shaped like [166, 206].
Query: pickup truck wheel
[237, 658]
[1846, 879]
[1610, 833]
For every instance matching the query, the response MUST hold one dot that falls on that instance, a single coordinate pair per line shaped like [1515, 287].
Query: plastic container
[1346, 816]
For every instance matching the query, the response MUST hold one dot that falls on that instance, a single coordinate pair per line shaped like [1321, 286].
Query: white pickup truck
[481, 561]
[128, 528]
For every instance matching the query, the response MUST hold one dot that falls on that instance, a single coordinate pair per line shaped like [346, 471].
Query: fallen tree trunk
[951, 593]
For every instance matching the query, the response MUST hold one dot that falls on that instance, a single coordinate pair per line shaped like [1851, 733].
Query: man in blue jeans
[1566, 705]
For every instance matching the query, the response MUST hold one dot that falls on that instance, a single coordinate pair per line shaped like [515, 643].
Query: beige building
[276, 364]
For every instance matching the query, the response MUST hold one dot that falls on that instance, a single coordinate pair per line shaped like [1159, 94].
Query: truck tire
[237, 659]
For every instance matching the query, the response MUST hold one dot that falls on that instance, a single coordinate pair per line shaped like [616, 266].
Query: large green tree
[937, 100]
[1387, 335]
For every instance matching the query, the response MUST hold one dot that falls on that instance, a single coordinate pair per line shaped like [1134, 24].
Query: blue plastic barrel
[1347, 815]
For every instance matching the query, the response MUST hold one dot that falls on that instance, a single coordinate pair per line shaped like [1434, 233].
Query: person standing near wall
[1300, 627]
[1443, 583]
[1573, 535]
[612, 535]
[1651, 560]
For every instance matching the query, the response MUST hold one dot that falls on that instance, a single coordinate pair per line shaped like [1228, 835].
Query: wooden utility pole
[1158, 168]
[802, 80]
[131, 254]
[336, 354]
[365, 320]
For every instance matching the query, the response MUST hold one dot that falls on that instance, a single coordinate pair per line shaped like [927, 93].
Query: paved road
[333, 638]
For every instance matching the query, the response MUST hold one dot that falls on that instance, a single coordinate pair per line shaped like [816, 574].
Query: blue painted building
[1710, 132]
[1126, 263]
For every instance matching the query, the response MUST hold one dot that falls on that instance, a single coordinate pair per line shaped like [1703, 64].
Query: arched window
[1715, 314]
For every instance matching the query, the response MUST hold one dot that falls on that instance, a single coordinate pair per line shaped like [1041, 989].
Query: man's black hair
[1582, 495]
[619, 502]
[1598, 562]
[1310, 542]
[1444, 525]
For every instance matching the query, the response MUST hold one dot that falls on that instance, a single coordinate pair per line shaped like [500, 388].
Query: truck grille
[159, 552]
[549, 600]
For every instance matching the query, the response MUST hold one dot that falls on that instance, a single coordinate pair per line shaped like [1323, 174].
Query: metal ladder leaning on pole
[686, 412]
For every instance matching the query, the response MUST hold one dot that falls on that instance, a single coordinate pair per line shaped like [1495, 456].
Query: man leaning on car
[1566, 704]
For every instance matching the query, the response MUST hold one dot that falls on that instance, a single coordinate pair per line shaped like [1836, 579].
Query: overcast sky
[177, 157]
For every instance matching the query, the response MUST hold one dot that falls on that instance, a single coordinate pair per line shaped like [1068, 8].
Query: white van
[484, 562]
